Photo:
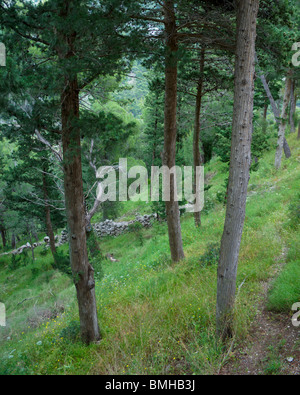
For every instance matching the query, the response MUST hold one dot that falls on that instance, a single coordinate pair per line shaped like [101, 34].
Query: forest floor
[273, 343]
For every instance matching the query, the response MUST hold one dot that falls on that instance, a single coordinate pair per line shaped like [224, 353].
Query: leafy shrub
[71, 332]
[62, 263]
[25, 257]
[222, 194]
[44, 251]
[211, 255]
[160, 209]
[15, 262]
[137, 228]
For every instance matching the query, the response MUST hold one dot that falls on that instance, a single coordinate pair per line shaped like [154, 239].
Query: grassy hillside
[157, 317]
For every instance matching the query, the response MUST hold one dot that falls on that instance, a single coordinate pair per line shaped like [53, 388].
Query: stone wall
[112, 228]
[102, 229]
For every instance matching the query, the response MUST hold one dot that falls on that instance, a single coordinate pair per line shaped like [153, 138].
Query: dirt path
[273, 345]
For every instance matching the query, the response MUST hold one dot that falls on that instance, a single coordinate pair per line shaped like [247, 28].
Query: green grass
[155, 317]
[285, 290]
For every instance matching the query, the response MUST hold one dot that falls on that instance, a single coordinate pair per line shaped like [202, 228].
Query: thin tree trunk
[239, 165]
[276, 112]
[3, 235]
[169, 155]
[293, 107]
[83, 272]
[49, 227]
[283, 121]
[197, 152]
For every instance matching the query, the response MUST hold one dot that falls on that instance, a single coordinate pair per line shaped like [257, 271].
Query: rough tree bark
[169, 155]
[83, 272]
[197, 152]
[283, 120]
[239, 164]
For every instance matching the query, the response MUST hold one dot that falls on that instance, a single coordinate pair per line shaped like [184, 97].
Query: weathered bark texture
[283, 121]
[169, 155]
[197, 151]
[83, 272]
[239, 164]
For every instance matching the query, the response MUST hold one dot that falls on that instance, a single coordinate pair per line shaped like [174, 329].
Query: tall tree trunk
[293, 107]
[276, 112]
[49, 227]
[197, 151]
[239, 164]
[83, 272]
[283, 120]
[169, 155]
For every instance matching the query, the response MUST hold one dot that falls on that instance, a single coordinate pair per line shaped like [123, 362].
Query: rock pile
[59, 240]
[106, 228]
[64, 237]
[111, 228]
[26, 246]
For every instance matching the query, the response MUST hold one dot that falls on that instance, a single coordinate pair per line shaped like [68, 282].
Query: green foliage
[223, 144]
[35, 272]
[261, 142]
[222, 193]
[137, 229]
[15, 262]
[285, 290]
[45, 251]
[71, 333]
[62, 263]
[294, 212]
[159, 208]
[211, 255]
